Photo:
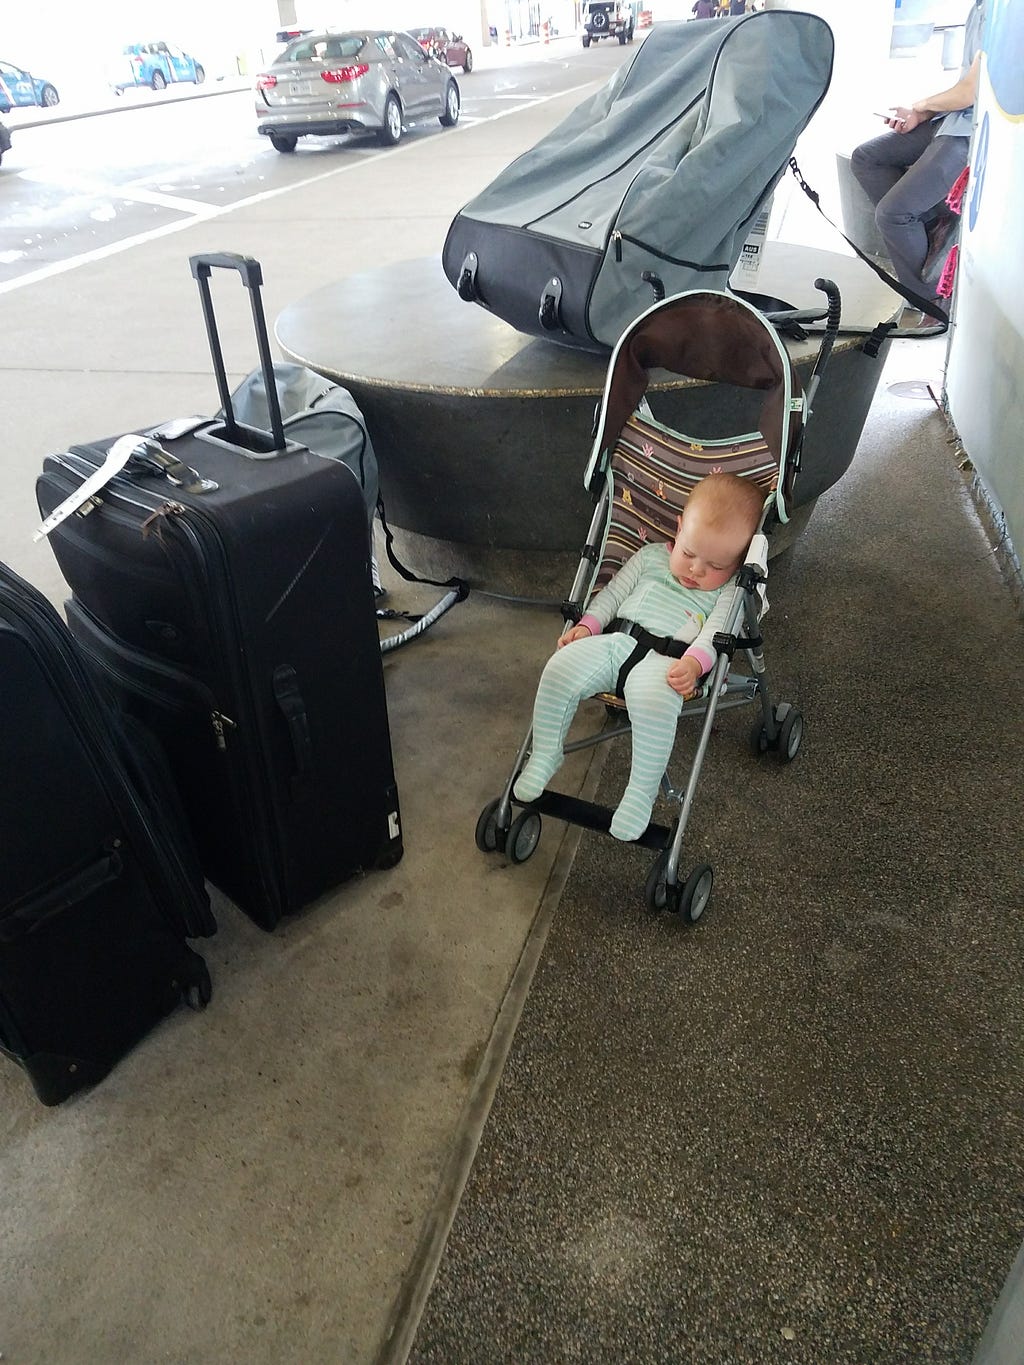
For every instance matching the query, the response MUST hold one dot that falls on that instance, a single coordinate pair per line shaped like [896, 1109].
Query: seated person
[908, 171]
[674, 590]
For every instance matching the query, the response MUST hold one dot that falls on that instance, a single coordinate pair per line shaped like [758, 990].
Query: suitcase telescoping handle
[252, 278]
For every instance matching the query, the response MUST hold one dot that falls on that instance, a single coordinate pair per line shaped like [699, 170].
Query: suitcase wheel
[199, 990]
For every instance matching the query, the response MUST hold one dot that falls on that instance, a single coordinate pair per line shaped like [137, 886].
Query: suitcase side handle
[288, 695]
[252, 278]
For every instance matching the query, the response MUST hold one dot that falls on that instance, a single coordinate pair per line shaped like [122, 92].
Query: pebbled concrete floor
[793, 1132]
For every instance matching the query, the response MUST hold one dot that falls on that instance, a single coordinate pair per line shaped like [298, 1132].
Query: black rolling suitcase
[221, 583]
[99, 886]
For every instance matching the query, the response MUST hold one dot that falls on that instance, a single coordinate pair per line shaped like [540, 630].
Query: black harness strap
[645, 644]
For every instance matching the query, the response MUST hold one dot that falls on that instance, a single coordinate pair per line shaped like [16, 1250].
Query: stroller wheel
[790, 735]
[787, 741]
[759, 741]
[523, 837]
[658, 895]
[696, 893]
[487, 827]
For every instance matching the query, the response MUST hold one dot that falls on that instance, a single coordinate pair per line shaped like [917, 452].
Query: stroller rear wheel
[523, 837]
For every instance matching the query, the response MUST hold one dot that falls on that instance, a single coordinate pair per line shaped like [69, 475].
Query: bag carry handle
[252, 278]
[288, 696]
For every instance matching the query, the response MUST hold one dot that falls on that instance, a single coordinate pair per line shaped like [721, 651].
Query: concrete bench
[482, 433]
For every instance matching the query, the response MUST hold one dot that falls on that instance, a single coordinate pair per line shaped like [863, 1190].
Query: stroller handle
[832, 319]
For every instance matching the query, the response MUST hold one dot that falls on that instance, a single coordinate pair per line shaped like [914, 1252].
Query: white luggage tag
[117, 457]
[149, 453]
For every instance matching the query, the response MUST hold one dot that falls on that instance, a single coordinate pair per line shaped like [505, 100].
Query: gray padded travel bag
[650, 185]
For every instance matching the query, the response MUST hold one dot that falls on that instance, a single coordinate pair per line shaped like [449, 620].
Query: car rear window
[340, 47]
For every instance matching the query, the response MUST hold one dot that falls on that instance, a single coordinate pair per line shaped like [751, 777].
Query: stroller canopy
[711, 336]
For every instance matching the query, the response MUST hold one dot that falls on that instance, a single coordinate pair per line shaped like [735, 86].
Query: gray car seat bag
[662, 173]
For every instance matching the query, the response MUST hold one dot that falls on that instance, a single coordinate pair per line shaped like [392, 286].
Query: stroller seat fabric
[653, 473]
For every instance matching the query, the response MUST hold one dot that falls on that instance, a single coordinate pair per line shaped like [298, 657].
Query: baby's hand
[576, 632]
[683, 676]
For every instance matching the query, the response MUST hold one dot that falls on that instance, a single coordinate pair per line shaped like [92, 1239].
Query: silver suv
[326, 84]
[607, 19]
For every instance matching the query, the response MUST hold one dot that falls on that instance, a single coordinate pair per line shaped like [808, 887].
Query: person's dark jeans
[907, 176]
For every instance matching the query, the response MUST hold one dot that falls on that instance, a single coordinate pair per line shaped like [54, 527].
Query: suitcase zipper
[178, 681]
[203, 534]
[620, 237]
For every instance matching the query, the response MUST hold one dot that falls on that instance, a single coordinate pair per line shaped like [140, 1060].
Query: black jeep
[607, 19]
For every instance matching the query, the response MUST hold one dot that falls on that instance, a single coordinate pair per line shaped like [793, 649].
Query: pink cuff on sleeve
[591, 622]
[702, 656]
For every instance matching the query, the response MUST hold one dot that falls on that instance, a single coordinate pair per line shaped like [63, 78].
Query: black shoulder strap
[927, 306]
[460, 586]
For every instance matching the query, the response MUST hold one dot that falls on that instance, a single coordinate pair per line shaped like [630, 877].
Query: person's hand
[903, 120]
[573, 633]
[683, 675]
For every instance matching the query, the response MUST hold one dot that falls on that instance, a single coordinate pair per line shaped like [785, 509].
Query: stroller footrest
[589, 815]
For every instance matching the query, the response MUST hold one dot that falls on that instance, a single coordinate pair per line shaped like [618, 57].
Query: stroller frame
[640, 474]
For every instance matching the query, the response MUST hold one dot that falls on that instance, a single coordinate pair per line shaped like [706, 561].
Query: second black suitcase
[221, 584]
[99, 886]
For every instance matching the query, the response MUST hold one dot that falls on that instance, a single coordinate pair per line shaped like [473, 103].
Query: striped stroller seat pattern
[653, 472]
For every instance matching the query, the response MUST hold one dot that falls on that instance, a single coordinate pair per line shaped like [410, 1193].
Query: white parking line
[104, 190]
[205, 212]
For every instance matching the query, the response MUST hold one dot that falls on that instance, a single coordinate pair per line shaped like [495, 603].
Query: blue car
[156, 65]
[18, 87]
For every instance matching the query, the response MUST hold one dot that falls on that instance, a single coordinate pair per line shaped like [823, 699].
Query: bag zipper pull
[617, 239]
[219, 721]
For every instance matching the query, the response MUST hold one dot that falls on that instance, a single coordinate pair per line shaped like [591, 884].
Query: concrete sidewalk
[251, 1182]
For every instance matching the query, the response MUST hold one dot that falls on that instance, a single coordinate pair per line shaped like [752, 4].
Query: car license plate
[300, 88]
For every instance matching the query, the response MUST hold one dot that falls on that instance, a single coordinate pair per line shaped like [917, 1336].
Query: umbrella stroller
[640, 474]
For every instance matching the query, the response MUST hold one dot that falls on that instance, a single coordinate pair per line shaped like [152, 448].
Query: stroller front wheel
[487, 827]
[658, 895]
[693, 901]
[759, 740]
[790, 735]
[523, 837]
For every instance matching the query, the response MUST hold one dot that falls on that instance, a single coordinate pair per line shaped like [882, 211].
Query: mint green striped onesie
[643, 591]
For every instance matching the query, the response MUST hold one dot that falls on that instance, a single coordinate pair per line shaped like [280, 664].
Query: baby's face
[704, 556]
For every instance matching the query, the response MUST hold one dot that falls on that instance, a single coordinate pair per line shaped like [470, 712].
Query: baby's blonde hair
[727, 500]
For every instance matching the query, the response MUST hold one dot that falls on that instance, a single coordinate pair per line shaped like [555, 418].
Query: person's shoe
[938, 236]
[915, 323]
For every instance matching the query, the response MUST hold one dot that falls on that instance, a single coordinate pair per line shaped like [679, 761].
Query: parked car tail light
[338, 75]
[265, 82]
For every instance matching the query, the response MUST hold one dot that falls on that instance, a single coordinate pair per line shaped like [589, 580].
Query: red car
[445, 46]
